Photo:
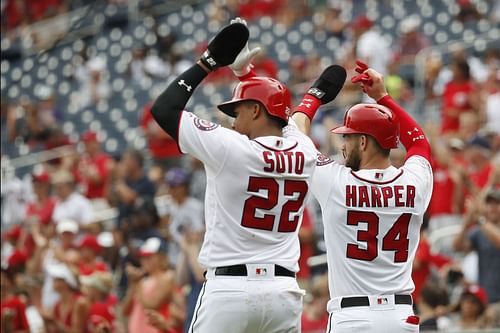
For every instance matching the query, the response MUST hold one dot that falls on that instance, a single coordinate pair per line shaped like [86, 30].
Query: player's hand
[225, 46]
[372, 82]
[242, 65]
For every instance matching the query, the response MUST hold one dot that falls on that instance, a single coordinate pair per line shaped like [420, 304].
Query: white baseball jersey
[255, 196]
[372, 221]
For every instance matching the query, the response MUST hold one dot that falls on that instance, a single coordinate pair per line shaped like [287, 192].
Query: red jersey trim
[274, 149]
[375, 182]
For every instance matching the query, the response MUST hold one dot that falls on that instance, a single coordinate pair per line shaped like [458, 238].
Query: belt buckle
[260, 271]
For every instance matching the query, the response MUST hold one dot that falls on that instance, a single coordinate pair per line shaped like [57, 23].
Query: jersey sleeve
[204, 140]
[323, 178]
[420, 171]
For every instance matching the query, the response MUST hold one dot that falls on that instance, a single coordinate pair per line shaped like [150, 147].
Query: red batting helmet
[270, 92]
[375, 120]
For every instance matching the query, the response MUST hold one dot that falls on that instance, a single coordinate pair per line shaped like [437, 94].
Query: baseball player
[372, 211]
[257, 187]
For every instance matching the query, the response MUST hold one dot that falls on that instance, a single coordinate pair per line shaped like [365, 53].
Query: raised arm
[411, 134]
[221, 51]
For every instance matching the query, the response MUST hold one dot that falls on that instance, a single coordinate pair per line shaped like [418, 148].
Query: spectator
[330, 20]
[446, 205]
[410, 43]
[421, 268]
[315, 316]
[493, 102]
[198, 182]
[40, 210]
[130, 184]
[48, 114]
[371, 47]
[484, 238]
[151, 288]
[479, 168]
[433, 299]
[136, 70]
[69, 203]
[97, 289]
[473, 303]
[185, 212]
[10, 242]
[162, 147]
[89, 262]
[190, 274]
[93, 168]
[265, 66]
[71, 312]
[15, 197]
[54, 252]
[459, 96]
[12, 309]
[93, 81]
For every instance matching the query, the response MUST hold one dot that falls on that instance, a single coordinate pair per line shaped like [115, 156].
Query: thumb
[254, 52]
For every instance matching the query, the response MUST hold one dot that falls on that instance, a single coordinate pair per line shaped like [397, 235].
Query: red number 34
[266, 222]
[396, 239]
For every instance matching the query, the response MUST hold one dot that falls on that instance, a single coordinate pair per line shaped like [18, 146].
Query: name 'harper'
[380, 196]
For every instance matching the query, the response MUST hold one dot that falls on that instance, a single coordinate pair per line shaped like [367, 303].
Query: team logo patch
[323, 160]
[205, 125]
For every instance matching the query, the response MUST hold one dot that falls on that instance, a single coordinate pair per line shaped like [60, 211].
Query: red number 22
[266, 222]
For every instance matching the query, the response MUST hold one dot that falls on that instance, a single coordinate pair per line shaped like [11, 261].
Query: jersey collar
[378, 176]
[276, 143]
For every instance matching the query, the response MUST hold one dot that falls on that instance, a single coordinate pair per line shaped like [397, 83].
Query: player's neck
[265, 130]
[375, 162]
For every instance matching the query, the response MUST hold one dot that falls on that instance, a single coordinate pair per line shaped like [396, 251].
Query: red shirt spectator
[457, 97]
[94, 168]
[254, 9]
[40, 211]
[443, 187]
[455, 101]
[161, 145]
[14, 310]
[265, 67]
[421, 266]
[89, 264]
[102, 312]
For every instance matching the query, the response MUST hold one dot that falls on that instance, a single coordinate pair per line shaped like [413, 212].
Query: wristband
[309, 105]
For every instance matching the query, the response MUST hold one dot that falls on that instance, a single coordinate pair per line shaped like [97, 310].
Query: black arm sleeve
[168, 107]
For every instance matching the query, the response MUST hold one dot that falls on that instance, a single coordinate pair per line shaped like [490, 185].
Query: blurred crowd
[100, 242]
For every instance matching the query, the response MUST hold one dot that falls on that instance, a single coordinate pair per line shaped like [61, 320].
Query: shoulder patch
[204, 125]
[323, 160]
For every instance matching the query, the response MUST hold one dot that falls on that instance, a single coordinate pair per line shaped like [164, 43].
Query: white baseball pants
[376, 318]
[248, 304]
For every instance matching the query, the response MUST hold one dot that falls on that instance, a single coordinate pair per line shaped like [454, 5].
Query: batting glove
[323, 90]
[225, 46]
[243, 63]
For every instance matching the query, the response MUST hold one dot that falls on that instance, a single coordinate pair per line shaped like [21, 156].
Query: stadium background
[75, 73]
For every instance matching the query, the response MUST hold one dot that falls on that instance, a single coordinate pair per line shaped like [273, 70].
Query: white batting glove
[242, 65]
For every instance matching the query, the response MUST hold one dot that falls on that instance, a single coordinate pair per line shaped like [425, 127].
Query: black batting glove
[225, 46]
